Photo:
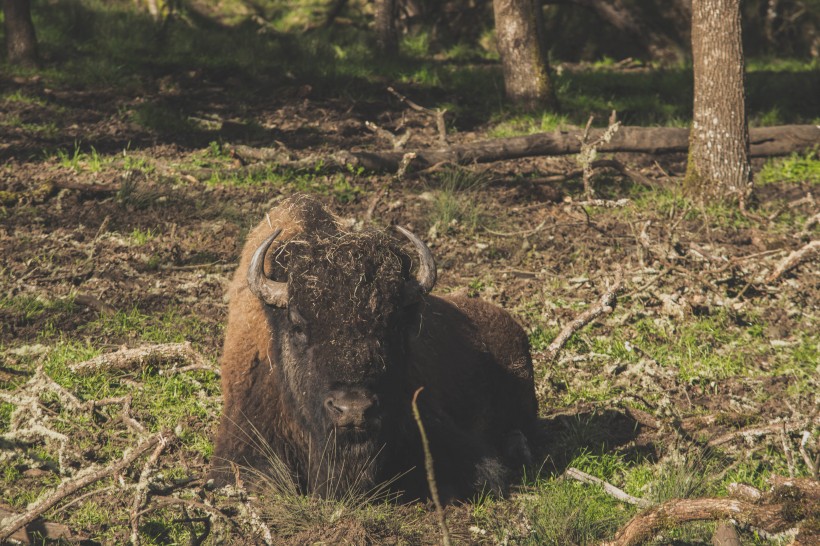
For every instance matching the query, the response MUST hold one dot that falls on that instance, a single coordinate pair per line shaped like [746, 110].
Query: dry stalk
[68, 487]
[431, 476]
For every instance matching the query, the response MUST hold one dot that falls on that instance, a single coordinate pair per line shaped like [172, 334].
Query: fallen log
[765, 142]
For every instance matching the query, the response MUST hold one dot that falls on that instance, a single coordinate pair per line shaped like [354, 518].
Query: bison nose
[350, 408]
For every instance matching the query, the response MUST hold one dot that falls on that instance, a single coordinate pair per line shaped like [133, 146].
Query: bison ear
[426, 277]
[271, 292]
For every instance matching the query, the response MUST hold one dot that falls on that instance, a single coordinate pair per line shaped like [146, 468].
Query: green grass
[794, 169]
[454, 202]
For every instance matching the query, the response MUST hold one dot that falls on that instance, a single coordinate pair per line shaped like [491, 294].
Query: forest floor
[123, 214]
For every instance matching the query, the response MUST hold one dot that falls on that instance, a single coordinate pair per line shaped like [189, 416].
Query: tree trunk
[519, 28]
[386, 33]
[21, 41]
[719, 140]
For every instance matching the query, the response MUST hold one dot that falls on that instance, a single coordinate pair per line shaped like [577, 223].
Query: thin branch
[605, 306]
[141, 493]
[431, 476]
[795, 258]
[610, 489]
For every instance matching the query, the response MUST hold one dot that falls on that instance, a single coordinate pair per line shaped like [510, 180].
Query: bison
[329, 334]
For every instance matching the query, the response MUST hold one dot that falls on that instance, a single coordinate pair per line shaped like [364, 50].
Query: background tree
[386, 32]
[21, 41]
[719, 140]
[520, 35]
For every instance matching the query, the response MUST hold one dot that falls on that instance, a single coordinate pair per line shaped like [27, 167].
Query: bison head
[338, 304]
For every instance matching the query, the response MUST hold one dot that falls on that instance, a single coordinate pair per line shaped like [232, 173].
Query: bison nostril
[334, 410]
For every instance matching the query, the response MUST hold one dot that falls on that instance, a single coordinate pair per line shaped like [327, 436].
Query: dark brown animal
[330, 333]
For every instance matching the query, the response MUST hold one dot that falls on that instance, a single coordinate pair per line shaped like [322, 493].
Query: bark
[719, 143]
[766, 142]
[386, 33]
[21, 41]
[519, 27]
[676, 512]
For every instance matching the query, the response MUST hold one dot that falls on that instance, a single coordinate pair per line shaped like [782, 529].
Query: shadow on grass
[562, 438]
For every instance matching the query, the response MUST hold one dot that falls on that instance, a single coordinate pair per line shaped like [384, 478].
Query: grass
[794, 169]
[454, 202]
[110, 49]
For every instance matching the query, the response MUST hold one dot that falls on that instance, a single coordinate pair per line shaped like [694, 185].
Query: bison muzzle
[329, 335]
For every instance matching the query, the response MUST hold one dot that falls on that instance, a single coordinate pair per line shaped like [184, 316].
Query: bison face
[338, 323]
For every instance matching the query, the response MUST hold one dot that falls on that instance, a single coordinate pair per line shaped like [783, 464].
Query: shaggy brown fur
[347, 328]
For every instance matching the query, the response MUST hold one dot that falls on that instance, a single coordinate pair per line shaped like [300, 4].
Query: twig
[130, 359]
[605, 203]
[397, 142]
[812, 466]
[610, 489]
[757, 431]
[522, 233]
[141, 493]
[794, 259]
[431, 476]
[605, 306]
[68, 487]
[129, 421]
[787, 450]
[438, 114]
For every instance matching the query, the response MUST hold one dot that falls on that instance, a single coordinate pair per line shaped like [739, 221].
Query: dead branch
[604, 203]
[806, 252]
[744, 492]
[139, 357]
[523, 233]
[397, 142]
[766, 142]
[787, 451]
[438, 114]
[678, 511]
[141, 490]
[48, 530]
[756, 431]
[589, 151]
[610, 489]
[128, 420]
[812, 465]
[604, 306]
[431, 477]
[68, 487]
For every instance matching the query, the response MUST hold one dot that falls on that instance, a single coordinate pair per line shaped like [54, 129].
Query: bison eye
[298, 324]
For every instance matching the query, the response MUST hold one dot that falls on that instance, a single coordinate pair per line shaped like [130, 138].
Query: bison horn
[271, 292]
[426, 277]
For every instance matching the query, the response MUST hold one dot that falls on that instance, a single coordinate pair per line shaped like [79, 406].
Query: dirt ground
[150, 225]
